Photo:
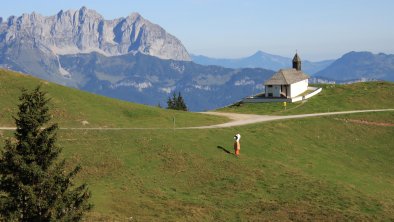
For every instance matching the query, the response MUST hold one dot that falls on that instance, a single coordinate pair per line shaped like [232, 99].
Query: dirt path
[245, 119]
[236, 120]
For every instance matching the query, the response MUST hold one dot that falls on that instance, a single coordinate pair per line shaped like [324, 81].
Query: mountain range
[135, 60]
[261, 60]
[85, 31]
[360, 66]
[149, 80]
[352, 66]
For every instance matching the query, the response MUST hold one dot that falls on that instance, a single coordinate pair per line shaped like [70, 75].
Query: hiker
[237, 144]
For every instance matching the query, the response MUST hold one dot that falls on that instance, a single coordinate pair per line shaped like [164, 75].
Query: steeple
[297, 62]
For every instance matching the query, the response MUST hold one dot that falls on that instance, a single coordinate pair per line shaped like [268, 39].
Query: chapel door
[284, 90]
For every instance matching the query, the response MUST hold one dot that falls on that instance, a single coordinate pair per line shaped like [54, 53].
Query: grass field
[313, 169]
[328, 170]
[357, 96]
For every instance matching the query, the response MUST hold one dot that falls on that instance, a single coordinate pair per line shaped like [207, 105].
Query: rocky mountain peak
[88, 13]
[83, 9]
[135, 16]
[84, 31]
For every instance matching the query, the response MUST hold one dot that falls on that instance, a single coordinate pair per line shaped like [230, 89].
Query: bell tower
[297, 62]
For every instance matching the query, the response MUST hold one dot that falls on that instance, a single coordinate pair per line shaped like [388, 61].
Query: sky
[317, 29]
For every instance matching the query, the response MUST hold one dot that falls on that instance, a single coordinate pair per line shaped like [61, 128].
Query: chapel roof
[286, 77]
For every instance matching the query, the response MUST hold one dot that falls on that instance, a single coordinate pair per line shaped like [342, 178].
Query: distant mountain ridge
[261, 60]
[360, 65]
[85, 31]
[148, 80]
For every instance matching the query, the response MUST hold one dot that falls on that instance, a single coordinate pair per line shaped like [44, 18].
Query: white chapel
[287, 83]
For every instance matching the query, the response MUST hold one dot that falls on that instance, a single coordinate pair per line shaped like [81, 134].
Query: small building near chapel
[287, 83]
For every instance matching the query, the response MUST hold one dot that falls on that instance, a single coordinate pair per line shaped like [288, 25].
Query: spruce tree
[176, 102]
[171, 102]
[33, 181]
[180, 103]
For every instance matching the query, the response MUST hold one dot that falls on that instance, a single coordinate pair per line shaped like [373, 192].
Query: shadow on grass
[225, 150]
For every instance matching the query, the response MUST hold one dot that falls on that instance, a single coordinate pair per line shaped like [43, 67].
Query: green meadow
[312, 169]
[75, 108]
[357, 96]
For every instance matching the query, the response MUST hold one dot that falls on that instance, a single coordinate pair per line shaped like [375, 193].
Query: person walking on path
[237, 144]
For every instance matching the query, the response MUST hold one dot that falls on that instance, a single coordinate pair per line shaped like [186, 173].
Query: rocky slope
[85, 31]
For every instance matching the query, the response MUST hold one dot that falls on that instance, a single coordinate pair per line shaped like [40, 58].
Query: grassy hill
[72, 107]
[317, 169]
[357, 96]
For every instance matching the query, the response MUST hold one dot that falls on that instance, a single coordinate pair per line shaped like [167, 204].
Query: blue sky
[318, 29]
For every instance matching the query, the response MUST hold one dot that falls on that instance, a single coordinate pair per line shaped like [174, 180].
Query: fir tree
[33, 181]
[176, 102]
[170, 102]
[180, 103]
